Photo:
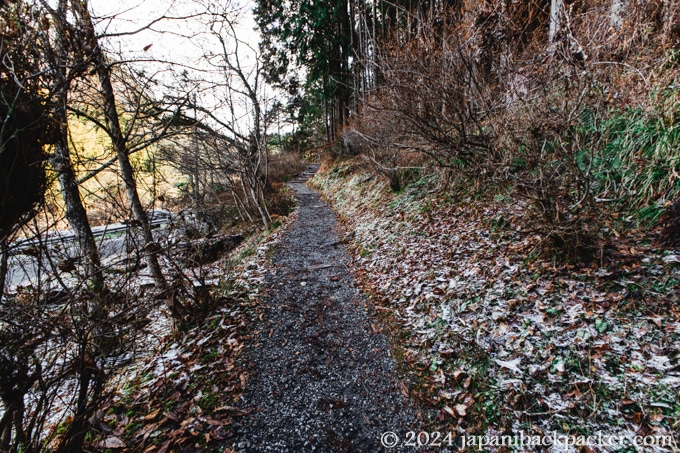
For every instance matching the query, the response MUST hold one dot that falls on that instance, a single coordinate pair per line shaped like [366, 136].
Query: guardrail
[156, 218]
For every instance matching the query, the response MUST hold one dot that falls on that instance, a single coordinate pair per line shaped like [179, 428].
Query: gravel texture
[321, 375]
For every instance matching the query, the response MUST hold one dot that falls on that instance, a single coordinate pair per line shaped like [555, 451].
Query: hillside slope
[497, 339]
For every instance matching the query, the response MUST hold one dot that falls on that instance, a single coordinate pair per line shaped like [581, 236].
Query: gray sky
[174, 40]
[182, 42]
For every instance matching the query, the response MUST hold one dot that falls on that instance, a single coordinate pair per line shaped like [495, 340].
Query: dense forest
[136, 191]
[571, 102]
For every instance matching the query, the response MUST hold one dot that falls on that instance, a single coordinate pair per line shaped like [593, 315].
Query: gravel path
[321, 377]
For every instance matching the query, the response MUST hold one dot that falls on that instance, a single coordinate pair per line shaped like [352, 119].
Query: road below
[35, 261]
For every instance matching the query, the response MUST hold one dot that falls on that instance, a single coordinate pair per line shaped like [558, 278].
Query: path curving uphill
[321, 377]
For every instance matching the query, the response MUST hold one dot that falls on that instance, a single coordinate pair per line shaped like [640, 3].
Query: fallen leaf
[165, 446]
[657, 417]
[174, 417]
[213, 422]
[403, 389]
[112, 442]
[152, 415]
[460, 409]
[510, 365]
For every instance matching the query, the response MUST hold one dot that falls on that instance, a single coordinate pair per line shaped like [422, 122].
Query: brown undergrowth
[581, 119]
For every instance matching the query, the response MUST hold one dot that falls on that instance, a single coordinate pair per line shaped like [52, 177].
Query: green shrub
[633, 156]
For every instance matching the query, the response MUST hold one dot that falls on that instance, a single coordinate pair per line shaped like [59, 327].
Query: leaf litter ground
[497, 340]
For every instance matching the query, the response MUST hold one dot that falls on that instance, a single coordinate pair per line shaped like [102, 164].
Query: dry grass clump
[283, 166]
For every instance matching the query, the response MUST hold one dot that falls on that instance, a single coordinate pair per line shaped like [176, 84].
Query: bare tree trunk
[242, 211]
[127, 173]
[248, 200]
[6, 429]
[263, 202]
[61, 158]
[120, 145]
[261, 208]
[75, 211]
[195, 174]
[90, 385]
[4, 257]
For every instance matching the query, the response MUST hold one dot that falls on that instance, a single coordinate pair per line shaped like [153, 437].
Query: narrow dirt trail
[321, 377]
